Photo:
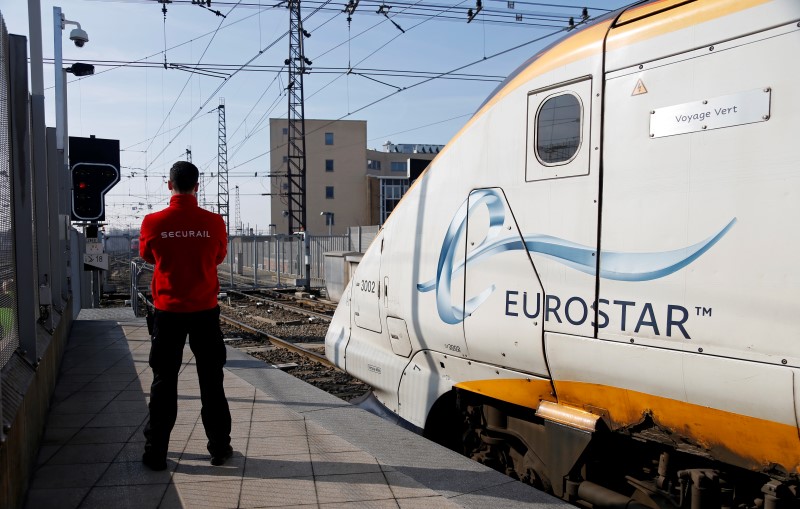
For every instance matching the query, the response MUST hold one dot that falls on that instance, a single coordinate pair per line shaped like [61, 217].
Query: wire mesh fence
[256, 260]
[275, 260]
[9, 333]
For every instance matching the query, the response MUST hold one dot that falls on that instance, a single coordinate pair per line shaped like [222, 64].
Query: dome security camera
[79, 37]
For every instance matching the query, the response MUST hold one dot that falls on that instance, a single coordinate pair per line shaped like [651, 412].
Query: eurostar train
[595, 286]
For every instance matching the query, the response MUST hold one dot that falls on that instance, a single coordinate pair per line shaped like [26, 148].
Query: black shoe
[221, 458]
[153, 463]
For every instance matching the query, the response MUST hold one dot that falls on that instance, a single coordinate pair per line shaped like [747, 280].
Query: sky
[157, 113]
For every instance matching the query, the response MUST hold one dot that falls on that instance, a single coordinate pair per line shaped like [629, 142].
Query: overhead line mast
[296, 160]
[238, 218]
[223, 198]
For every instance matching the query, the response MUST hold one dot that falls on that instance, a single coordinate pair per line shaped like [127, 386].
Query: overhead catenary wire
[371, 54]
[158, 131]
[333, 70]
[226, 80]
[371, 4]
[184, 43]
[395, 73]
[499, 53]
[212, 69]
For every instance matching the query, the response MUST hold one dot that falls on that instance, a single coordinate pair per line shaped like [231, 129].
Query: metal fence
[9, 334]
[35, 257]
[141, 274]
[362, 236]
[117, 244]
[276, 260]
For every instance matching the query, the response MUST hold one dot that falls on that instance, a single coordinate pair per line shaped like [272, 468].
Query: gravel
[328, 379]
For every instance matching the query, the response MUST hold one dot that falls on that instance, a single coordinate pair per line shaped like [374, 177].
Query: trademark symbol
[701, 311]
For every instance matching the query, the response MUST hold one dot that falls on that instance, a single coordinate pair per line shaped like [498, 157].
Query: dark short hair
[183, 176]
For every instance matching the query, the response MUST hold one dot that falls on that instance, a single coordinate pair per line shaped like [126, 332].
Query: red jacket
[186, 243]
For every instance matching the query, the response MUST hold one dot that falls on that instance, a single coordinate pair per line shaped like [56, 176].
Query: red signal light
[82, 185]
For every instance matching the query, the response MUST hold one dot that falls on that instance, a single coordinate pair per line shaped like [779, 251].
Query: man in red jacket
[186, 243]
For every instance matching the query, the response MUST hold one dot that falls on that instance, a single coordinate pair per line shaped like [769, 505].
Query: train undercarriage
[639, 467]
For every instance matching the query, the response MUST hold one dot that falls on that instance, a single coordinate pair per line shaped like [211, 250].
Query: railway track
[280, 342]
[289, 336]
[282, 330]
[280, 300]
[303, 357]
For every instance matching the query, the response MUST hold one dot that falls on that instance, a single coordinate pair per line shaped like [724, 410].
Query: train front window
[558, 129]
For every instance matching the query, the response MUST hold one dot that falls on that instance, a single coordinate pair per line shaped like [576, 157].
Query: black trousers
[166, 353]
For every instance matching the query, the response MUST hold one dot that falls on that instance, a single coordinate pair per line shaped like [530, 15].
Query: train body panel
[431, 374]
[609, 233]
[721, 403]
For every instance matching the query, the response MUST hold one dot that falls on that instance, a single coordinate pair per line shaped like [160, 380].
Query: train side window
[558, 129]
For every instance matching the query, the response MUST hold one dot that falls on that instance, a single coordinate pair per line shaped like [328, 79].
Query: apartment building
[390, 172]
[347, 184]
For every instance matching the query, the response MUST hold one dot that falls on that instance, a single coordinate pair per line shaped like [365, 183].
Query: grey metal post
[278, 260]
[133, 288]
[22, 184]
[62, 145]
[255, 262]
[230, 259]
[74, 283]
[307, 260]
[60, 84]
[85, 278]
[97, 288]
[57, 235]
[39, 161]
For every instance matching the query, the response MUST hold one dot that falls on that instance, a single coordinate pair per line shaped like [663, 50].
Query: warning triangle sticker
[639, 89]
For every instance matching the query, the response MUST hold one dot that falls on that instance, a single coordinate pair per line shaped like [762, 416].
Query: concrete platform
[295, 446]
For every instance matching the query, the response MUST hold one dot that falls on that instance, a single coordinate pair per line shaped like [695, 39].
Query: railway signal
[94, 167]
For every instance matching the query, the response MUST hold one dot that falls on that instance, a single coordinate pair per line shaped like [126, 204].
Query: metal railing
[278, 260]
[138, 290]
[268, 261]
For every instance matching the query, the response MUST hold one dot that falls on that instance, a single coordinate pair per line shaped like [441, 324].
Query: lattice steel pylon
[223, 199]
[296, 167]
[238, 219]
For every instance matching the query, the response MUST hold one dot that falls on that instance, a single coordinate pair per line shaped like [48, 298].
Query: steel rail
[310, 302]
[246, 281]
[282, 305]
[281, 343]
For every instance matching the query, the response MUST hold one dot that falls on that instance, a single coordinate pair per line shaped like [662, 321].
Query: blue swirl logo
[615, 265]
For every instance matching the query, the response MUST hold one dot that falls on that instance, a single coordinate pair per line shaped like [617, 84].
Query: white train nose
[339, 331]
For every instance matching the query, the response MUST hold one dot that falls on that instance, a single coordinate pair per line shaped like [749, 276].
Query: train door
[557, 206]
[503, 297]
[697, 272]
[367, 290]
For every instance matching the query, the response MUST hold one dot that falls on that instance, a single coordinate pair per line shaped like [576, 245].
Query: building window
[329, 192]
[373, 165]
[285, 159]
[285, 131]
[328, 164]
[399, 166]
[558, 129]
[391, 193]
[328, 138]
[285, 186]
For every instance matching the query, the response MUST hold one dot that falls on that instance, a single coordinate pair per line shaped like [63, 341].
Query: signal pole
[296, 166]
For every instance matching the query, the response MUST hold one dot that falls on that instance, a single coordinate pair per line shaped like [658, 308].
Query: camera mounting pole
[80, 37]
